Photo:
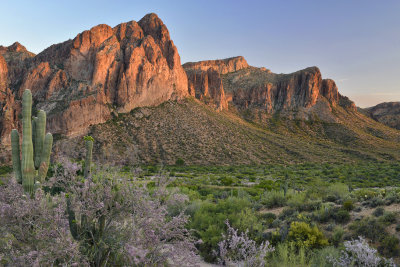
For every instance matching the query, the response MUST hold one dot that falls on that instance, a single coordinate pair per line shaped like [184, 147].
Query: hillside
[198, 134]
[386, 113]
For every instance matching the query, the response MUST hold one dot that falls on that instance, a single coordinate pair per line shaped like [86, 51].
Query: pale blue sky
[356, 43]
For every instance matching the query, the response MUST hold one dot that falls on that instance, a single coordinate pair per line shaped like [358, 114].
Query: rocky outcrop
[3, 77]
[222, 66]
[302, 94]
[207, 86]
[103, 70]
[387, 113]
[205, 82]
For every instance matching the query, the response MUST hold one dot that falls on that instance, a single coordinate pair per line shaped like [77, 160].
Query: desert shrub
[267, 185]
[337, 191]
[348, 205]
[359, 253]
[240, 250]
[179, 162]
[378, 212]
[116, 221]
[391, 197]
[304, 235]
[301, 202]
[389, 246]
[268, 218]
[287, 255]
[388, 218]
[227, 180]
[375, 202]
[323, 214]
[318, 257]
[274, 199]
[364, 194]
[209, 222]
[337, 236]
[288, 212]
[342, 216]
[35, 231]
[368, 227]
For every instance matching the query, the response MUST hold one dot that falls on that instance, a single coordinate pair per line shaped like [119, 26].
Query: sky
[354, 42]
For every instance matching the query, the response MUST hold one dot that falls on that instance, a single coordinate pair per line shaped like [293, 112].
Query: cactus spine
[88, 160]
[36, 147]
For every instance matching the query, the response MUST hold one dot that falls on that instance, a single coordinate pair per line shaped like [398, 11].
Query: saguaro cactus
[88, 160]
[36, 147]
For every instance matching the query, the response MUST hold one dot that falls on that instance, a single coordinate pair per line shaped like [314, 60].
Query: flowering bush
[240, 250]
[104, 220]
[35, 231]
[359, 253]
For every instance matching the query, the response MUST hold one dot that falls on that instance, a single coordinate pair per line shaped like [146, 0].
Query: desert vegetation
[74, 212]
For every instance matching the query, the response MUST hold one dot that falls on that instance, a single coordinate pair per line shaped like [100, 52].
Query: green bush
[368, 227]
[209, 220]
[227, 181]
[304, 235]
[337, 236]
[348, 205]
[342, 216]
[179, 162]
[318, 257]
[378, 212]
[337, 191]
[388, 218]
[287, 255]
[268, 218]
[324, 213]
[300, 202]
[389, 246]
[273, 199]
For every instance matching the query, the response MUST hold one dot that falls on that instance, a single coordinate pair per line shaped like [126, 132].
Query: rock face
[205, 82]
[103, 70]
[297, 94]
[387, 113]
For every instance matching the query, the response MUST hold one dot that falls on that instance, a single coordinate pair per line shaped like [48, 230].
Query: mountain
[82, 82]
[126, 87]
[387, 113]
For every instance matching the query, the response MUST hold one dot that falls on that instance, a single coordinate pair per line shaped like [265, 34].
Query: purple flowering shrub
[105, 220]
[240, 250]
[35, 231]
[359, 253]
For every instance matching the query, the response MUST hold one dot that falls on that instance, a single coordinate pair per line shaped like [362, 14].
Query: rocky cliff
[302, 94]
[101, 71]
[387, 113]
[205, 82]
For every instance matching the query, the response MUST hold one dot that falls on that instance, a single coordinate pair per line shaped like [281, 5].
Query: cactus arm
[39, 137]
[34, 121]
[16, 155]
[88, 159]
[45, 157]
[27, 165]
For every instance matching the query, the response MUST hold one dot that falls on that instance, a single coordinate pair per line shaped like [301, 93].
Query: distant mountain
[126, 87]
[387, 113]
